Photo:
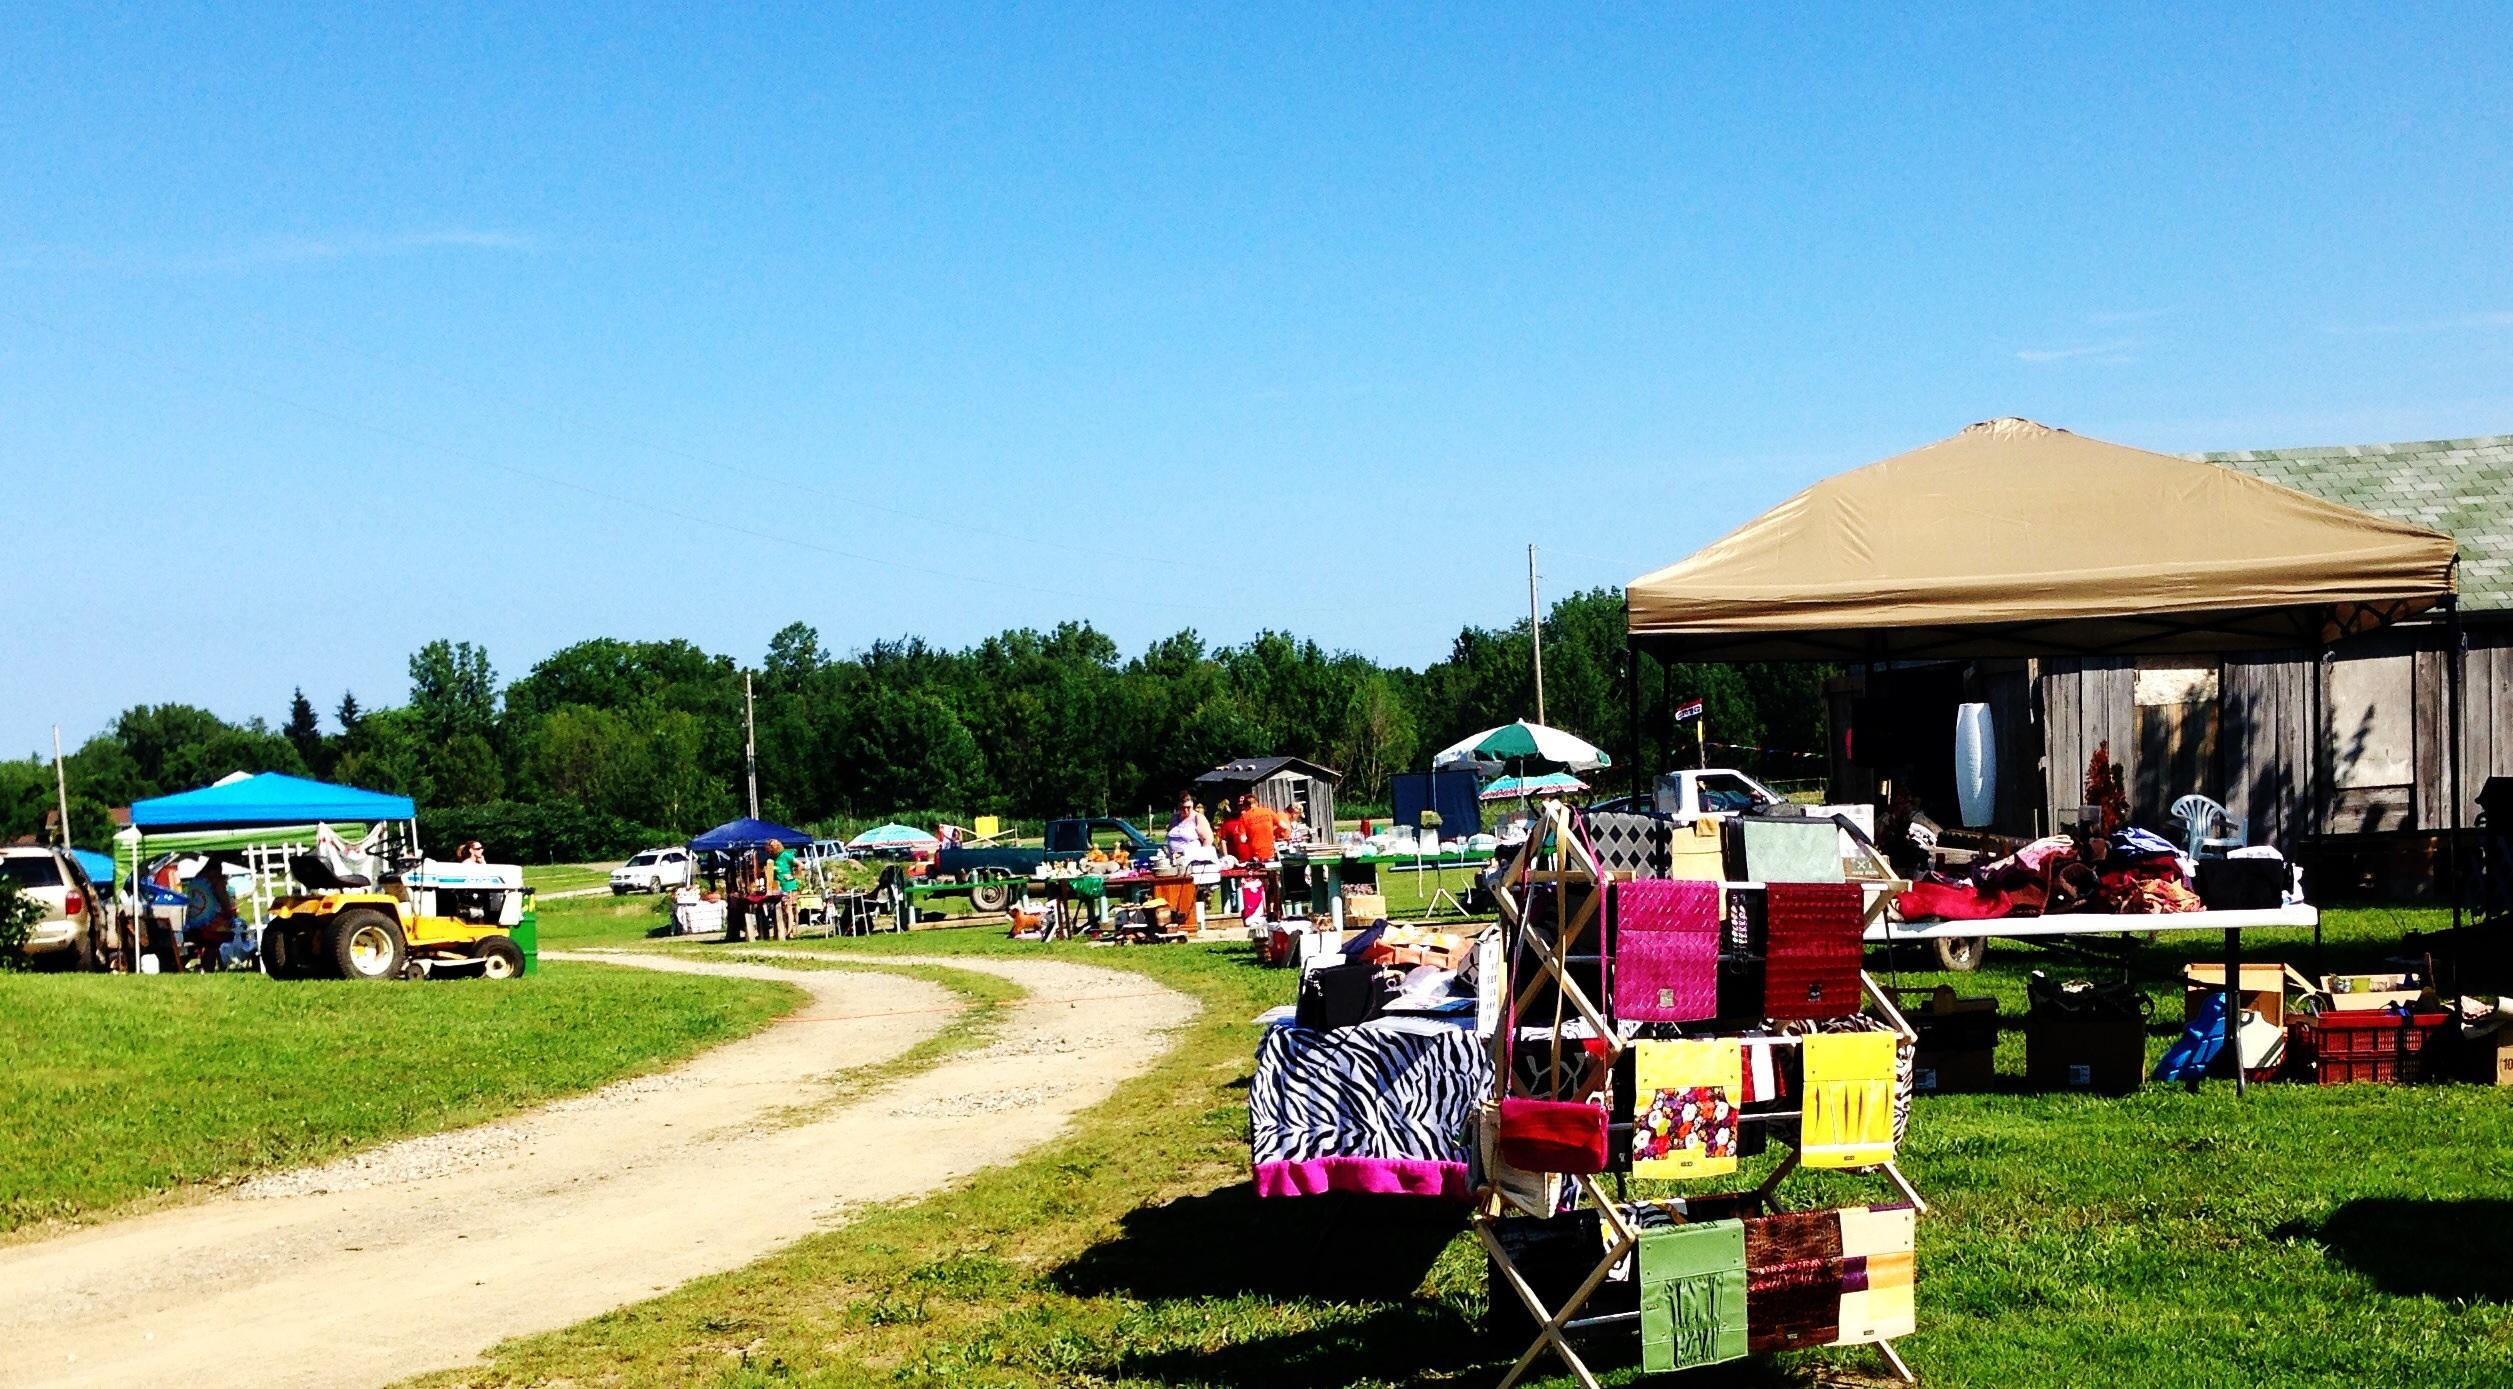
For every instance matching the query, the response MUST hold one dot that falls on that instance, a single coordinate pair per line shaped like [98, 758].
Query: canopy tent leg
[2233, 1009]
[1631, 661]
[2455, 658]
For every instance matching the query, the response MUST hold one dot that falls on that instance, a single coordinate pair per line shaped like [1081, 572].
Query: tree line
[608, 744]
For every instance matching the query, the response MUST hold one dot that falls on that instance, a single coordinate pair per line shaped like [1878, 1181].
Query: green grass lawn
[599, 921]
[2301, 1236]
[567, 877]
[118, 1086]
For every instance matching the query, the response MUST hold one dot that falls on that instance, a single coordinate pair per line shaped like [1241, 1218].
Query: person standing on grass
[1251, 834]
[788, 881]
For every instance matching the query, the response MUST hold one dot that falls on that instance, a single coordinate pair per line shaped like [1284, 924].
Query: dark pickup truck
[993, 874]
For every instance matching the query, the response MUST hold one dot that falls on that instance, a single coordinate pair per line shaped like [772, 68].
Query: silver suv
[73, 927]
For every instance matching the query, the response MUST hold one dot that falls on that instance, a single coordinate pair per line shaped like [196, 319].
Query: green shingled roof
[2462, 487]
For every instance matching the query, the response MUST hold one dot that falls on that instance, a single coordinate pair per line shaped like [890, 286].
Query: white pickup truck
[1687, 796]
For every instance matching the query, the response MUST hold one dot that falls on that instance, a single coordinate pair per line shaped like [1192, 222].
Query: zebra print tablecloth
[1383, 1108]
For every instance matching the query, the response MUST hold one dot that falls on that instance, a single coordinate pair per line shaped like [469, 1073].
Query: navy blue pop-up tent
[748, 834]
[271, 798]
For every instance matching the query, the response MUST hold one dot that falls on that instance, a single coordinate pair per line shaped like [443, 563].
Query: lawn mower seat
[320, 876]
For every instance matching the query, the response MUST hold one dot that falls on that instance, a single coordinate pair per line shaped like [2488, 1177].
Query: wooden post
[1631, 656]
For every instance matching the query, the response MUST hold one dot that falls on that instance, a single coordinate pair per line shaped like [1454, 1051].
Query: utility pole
[61, 784]
[750, 744]
[1535, 631]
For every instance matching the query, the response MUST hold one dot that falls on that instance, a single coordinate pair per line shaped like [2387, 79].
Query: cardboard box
[2105, 1056]
[2488, 1060]
[1697, 851]
[1365, 906]
[2264, 989]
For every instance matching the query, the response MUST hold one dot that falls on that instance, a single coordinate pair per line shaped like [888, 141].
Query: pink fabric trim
[1369, 1176]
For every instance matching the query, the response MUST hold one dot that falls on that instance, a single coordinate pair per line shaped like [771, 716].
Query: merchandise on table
[1382, 1107]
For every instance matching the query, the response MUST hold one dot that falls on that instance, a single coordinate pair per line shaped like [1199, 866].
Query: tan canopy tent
[2016, 539]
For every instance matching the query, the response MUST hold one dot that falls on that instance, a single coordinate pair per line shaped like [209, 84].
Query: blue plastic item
[2196, 1049]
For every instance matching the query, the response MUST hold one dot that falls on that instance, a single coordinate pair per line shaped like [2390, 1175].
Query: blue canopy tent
[747, 834]
[100, 869]
[270, 798]
[257, 821]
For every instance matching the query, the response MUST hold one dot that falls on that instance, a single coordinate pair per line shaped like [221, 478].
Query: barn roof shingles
[2463, 487]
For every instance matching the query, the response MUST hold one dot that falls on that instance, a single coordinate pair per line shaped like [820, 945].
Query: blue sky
[323, 337]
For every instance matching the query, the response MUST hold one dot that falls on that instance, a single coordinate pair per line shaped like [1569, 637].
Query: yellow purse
[1849, 1100]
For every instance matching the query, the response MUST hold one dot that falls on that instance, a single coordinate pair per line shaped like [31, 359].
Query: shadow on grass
[1228, 1243]
[2446, 1249]
[1412, 1344]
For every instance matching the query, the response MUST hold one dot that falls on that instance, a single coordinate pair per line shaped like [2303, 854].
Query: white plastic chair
[2208, 829]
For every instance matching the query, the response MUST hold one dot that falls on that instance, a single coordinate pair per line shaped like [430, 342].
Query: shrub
[18, 915]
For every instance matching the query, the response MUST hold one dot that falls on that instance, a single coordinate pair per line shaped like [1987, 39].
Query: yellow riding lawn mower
[422, 920]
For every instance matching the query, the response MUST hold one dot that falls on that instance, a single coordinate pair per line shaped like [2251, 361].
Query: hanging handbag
[1546, 1135]
[1553, 1135]
[1666, 950]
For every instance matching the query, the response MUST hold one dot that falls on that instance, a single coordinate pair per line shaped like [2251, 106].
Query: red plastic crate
[2349, 1048]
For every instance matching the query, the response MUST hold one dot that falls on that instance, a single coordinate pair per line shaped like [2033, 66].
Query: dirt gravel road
[421, 1254]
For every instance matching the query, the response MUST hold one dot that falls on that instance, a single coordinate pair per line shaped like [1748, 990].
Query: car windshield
[1728, 793]
[643, 859]
[31, 870]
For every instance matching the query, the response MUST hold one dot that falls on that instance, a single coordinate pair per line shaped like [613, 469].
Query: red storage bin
[2346, 1048]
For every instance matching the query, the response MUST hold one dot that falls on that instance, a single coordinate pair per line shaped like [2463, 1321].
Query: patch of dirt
[423, 1253]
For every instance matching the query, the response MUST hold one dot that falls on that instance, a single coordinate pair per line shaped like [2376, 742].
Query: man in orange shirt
[1251, 835]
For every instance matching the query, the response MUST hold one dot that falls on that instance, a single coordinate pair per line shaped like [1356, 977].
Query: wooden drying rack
[1556, 853]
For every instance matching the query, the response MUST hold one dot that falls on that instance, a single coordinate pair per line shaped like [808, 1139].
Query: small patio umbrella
[893, 837]
[1510, 788]
[1517, 744]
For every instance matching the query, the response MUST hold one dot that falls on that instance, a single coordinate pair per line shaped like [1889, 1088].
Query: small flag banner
[1688, 711]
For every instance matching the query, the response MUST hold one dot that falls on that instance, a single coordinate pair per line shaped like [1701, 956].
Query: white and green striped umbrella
[1514, 745]
[1516, 788]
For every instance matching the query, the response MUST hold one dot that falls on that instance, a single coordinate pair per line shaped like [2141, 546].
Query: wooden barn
[2363, 798]
[1284, 783]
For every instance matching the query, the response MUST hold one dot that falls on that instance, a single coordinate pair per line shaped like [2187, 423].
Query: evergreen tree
[304, 731]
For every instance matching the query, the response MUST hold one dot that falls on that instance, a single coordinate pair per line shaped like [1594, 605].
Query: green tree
[463, 770]
[304, 732]
[452, 691]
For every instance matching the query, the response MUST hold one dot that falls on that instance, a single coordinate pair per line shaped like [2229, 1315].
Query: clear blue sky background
[320, 338]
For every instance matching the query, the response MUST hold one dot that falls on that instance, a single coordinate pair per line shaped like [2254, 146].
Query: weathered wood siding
[2264, 743]
[2085, 704]
[2486, 728]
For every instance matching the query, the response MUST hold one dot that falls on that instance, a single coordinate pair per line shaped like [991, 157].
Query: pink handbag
[1666, 950]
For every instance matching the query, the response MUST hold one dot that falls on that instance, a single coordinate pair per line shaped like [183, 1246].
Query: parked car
[653, 870]
[73, 928]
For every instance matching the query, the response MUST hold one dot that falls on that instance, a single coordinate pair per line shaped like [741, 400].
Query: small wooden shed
[1283, 783]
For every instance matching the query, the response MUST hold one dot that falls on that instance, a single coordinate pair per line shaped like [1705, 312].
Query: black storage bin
[2242, 884]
